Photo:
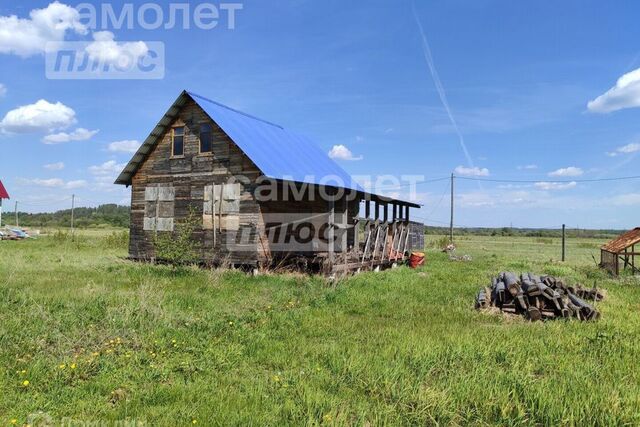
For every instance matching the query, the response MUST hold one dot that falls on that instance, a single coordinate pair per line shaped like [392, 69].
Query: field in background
[100, 338]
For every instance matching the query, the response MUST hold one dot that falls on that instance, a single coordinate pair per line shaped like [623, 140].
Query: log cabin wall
[187, 176]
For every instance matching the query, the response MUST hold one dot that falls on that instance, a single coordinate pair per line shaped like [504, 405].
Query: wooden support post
[213, 217]
[356, 236]
[344, 223]
[220, 209]
[563, 242]
[331, 230]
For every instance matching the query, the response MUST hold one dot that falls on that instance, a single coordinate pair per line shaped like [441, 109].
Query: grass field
[86, 336]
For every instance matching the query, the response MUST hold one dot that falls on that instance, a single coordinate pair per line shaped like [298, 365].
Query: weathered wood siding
[244, 241]
[188, 175]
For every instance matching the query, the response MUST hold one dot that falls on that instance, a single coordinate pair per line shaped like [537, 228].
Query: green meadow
[89, 337]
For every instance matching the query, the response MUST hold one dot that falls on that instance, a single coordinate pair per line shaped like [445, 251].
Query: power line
[526, 181]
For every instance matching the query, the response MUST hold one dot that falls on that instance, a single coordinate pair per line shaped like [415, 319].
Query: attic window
[177, 141]
[205, 138]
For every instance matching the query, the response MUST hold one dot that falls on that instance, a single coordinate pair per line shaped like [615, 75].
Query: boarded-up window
[221, 207]
[159, 206]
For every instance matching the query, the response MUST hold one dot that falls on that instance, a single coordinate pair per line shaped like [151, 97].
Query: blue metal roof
[279, 153]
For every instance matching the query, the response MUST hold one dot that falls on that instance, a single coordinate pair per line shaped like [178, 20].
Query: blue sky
[518, 78]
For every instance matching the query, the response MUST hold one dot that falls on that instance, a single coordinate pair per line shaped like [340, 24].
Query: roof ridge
[234, 110]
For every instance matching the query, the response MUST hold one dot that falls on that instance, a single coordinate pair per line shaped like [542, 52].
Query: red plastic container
[416, 259]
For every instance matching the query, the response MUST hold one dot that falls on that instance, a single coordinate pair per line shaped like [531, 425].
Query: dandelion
[61, 366]
[327, 417]
[23, 372]
[72, 366]
[173, 341]
[13, 421]
[194, 421]
[230, 323]
[25, 383]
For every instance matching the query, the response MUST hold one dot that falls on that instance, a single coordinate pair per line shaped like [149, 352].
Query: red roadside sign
[3, 192]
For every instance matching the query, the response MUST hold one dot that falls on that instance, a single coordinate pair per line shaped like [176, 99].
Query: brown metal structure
[622, 248]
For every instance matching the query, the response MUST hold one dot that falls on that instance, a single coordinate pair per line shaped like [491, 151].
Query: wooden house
[261, 195]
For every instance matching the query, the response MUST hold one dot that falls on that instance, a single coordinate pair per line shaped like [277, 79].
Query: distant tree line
[523, 232]
[110, 215]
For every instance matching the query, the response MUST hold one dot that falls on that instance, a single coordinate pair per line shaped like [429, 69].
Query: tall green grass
[100, 338]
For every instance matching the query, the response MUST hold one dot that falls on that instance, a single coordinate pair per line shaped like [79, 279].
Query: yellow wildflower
[72, 366]
[14, 421]
[25, 383]
[194, 421]
[61, 366]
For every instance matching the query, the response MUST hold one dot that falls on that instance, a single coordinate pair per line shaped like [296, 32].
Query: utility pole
[15, 210]
[73, 202]
[451, 225]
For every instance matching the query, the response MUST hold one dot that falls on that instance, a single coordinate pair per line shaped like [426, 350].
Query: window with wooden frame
[177, 141]
[206, 138]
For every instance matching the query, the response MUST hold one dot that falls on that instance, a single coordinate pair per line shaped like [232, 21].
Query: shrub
[178, 247]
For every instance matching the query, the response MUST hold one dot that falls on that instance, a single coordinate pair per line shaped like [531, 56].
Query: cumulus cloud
[570, 171]
[3, 90]
[80, 134]
[105, 50]
[549, 186]
[58, 166]
[54, 183]
[340, 152]
[27, 37]
[42, 116]
[110, 167]
[126, 146]
[471, 171]
[634, 147]
[625, 94]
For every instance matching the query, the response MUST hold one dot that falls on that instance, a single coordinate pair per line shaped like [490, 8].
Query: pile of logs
[539, 297]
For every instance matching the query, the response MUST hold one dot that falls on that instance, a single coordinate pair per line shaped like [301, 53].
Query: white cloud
[105, 50]
[625, 94]
[630, 199]
[53, 183]
[471, 171]
[58, 166]
[570, 171]
[634, 147]
[3, 90]
[528, 167]
[126, 146]
[80, 134]
[80, 183]
[547, 186]
[42, 116]
[26, 37]
[340, 152]
[107, 168]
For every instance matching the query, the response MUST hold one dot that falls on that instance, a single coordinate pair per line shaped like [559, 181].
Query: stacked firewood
[539, 297]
